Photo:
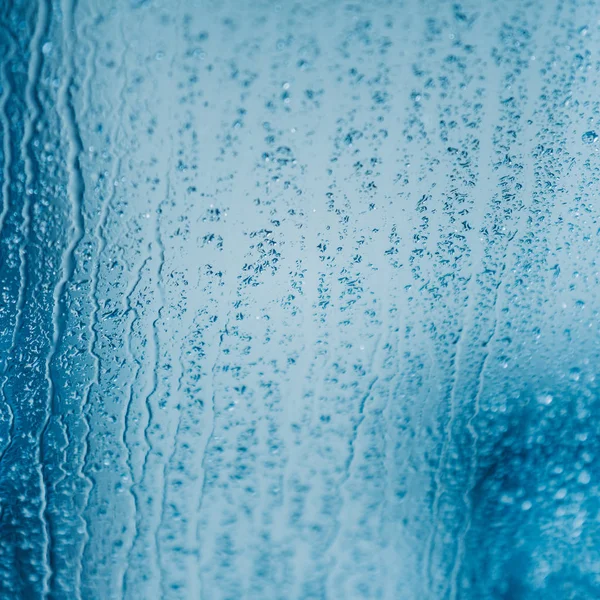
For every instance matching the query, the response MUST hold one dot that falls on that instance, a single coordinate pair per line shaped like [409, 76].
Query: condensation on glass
[299, 300]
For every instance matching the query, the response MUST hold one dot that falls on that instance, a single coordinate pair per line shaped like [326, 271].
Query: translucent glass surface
[299, 300]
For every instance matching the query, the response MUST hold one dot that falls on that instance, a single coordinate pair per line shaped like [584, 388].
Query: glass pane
[299, 300]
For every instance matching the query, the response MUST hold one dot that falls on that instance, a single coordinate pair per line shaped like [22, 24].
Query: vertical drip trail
[9, 560]
[159, 316]
[212, 412]
[101, 241]
[34, 108]
[467, 335]
[348, 466]
[507, 263]
[127, 413]
[80, 483]
[131, 313]
[446, 447]
[390, 436]
[75, 191]
[93, 350]
[158, 254]
[454, 578]
[166, 470]
[169, 463]
[7, 90]
[205, 450]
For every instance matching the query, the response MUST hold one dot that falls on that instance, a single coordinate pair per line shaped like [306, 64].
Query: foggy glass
[299, 300]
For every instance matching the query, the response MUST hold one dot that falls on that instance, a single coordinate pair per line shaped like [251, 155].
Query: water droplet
[589, 137]
[584, 477]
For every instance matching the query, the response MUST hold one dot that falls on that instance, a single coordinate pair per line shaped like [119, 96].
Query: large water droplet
[589, 137]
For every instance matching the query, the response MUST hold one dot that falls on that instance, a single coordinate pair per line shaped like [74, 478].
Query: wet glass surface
[299, 300]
